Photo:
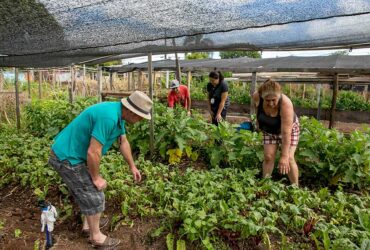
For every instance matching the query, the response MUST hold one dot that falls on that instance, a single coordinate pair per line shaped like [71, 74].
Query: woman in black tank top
[279, 125]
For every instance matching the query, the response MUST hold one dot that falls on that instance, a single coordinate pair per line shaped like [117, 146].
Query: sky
[265, 54]
[273, 54]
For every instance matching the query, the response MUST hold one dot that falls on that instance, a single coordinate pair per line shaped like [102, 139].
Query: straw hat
[139, 103]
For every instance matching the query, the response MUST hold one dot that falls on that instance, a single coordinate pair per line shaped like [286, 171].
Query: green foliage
[203, 205]
[197, 55]
[236, 54]
[23, 160]
[348, 100]
[331, 158]
[48, 117]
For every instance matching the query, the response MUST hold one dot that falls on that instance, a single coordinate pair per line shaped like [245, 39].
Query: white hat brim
[131, 108]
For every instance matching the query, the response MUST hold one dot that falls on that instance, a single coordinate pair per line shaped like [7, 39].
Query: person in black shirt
[218, 99]
[279, 124]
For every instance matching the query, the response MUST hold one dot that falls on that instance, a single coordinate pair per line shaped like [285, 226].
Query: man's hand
[100, 183]
[136, 174]
[218, 117]
[189, 113]
[284, 165]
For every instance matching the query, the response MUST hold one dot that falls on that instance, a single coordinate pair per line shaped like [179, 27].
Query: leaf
[17, 233]
[326, 240]
[180, 142]
[180, 245]
[267, 241]
[365, 245]
[207, 243]
[170, 241]
[364, 219]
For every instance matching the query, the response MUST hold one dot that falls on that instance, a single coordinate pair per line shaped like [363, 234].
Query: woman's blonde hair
[269, 87]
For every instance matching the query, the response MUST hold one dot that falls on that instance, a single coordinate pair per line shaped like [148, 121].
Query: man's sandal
[109, 243]
[103, 223]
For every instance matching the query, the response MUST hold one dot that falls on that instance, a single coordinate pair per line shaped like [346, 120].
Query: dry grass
[7, 105]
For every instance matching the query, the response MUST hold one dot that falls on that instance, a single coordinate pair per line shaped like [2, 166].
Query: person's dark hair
[216, 75]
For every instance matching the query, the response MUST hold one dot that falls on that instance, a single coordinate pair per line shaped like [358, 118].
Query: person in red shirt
[179, 94]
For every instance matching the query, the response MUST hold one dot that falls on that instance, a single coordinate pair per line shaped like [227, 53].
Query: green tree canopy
[236, 54]
[197, 55]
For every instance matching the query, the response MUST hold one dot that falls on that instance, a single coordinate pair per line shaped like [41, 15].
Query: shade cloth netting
[61, 32]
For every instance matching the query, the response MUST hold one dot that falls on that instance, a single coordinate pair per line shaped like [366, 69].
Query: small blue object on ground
[245, 126]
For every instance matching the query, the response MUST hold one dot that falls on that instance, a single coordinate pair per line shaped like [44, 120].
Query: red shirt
[181, 97]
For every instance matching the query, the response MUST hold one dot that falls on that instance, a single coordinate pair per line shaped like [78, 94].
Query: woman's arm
[287, 114]
[222, 103]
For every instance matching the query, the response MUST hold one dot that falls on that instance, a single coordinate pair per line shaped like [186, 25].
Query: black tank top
[269, 124]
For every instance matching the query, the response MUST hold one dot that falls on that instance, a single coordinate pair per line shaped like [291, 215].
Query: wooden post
[151, 95]
[129, 81]
[333, 101]
[304, 91]
[178, 69]
[167, 79]
[17, 110]
[100, 83]
[366, 95]
[110, 81]
[141, 78]
[59, 79]
[188, 79]
[1, 80]
[134, 79]
[84, 89]
[154, 82]
[40, 82]
[29, 84]
[53, 78]
[70, 85]
[252, 90]
[318, 94]
[290, 90]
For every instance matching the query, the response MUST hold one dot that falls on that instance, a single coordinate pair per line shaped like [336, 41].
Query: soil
[19, 210]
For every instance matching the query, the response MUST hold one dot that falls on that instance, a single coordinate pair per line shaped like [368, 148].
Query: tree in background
[236, 54]
[197, 55]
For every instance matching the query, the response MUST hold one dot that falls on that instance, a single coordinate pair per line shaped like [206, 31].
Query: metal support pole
[100, 83]
[17, 110]
[333, 101]
[151, 95]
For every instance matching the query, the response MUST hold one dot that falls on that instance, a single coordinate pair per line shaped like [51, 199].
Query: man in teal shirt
[78, 148]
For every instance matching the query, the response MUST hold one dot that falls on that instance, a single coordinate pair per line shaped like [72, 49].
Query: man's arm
[125, 149]
[94, 153]
[170, 100]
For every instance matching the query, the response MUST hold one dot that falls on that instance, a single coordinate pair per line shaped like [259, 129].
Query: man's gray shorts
[90, 200]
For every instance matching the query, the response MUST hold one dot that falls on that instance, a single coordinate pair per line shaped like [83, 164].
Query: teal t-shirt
[103, 121]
